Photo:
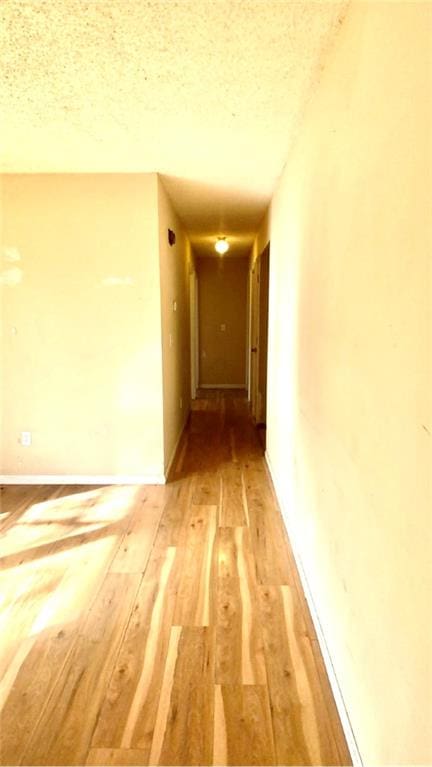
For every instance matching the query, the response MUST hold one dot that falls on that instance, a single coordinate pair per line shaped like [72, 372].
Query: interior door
[259, 336]
[254, 337]
[264, 274]
[194, 340]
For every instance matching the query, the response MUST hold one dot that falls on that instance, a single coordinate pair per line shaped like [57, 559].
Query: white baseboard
[85, 479]
[222, 386]
[334, 684]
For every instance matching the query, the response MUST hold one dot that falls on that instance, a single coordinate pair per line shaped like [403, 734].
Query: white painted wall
[349, 423]
[82, 361]
[175, 268]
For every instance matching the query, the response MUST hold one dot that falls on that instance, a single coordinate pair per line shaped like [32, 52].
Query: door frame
[194, 332]
[255, 287]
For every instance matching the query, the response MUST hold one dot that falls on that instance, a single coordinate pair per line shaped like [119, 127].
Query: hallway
[162, 625]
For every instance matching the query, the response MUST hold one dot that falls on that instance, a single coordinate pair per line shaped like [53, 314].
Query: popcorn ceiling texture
[208, 93]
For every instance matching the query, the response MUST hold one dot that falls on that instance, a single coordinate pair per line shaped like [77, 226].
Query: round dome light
[221, 246]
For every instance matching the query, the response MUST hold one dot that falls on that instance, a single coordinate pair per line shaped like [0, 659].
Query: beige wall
[349, 432]
[4, 266]
[222, 296]
[82, 366]
[175, 267]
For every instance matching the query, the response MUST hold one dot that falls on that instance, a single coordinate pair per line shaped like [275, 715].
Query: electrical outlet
[223, 327]
[26, 438]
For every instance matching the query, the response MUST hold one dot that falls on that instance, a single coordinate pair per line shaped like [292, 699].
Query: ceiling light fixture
[221, 245]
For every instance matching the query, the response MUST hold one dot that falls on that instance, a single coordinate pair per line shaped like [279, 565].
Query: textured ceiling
[208, 93]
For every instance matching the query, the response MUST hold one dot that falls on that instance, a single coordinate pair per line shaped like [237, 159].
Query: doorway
[194, 335]
[222, 321]
[260, 279]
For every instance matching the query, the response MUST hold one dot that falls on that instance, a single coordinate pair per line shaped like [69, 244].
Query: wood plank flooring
[161, 625]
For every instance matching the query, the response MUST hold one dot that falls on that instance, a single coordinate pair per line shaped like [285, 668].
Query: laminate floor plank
[176, 512]
[38, 672]
[161, 624]
[195, 562]
[207, 489]
[233, 507]
[239, 643]
[243, 732]
[291, 743]
[64, 730]
[17, 499]
[116, 757]
[268, 538]
[328, 702]
[185, 734]
[17, 620]
[129, 710]
[136, 545]
[300, 720]
[51, 528]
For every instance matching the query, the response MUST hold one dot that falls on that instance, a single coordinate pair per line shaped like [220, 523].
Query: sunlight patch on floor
[69, 517]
